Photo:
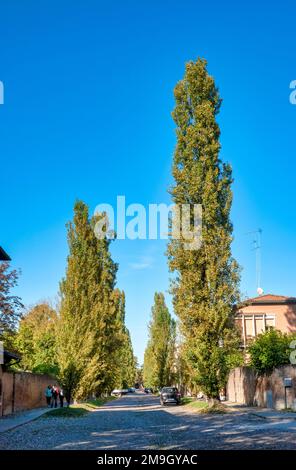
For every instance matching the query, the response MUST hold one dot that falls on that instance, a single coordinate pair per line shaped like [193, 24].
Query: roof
[10, 356]
[269, 299]
[3, 255]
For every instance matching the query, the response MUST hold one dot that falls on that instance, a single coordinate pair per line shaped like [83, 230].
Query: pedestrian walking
[61, 396]
[54, 396]
[48, 395]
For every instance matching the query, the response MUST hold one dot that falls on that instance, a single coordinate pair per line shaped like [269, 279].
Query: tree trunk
[213, 402]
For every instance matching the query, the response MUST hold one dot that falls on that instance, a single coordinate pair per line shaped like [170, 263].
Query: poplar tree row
[94, 350]
[85, 343]
[159, 359]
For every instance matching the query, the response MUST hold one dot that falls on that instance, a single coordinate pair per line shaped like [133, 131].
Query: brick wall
[246, 388]
[23, 391]
[7, 394]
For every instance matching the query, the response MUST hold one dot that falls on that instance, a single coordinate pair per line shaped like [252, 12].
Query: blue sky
[88, 96]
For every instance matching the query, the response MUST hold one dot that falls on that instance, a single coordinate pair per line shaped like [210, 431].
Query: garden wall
[22, 391]
[247, 388]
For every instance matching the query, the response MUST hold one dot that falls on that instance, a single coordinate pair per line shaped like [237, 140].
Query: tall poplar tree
[205, 284]
[88, 331]
[125, 357]
[159, 354]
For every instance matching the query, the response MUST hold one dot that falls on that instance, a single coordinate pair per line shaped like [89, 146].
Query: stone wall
[247, 388]
[241, 386]
[7, 394]
[22, 391]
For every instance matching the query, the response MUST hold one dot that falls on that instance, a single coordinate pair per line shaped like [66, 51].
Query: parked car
[170, 395]
[148, 390]
[131, 390]
[118, 392]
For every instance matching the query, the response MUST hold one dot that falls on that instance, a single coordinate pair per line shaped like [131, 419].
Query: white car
[117, 392]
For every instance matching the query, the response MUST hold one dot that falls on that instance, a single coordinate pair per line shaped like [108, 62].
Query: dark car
[170, 395]
[147, 390]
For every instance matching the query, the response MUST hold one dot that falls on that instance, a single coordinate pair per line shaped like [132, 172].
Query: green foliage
[128, 369]
[90, 331]
[125, 357]
[10, 305]
[205, 285]
[139, 373]
[9, 338]
[186, 400]
[269, 350]
[194, 404]
[234, 359]
[159, 354]
[79, 410]
[36, 340]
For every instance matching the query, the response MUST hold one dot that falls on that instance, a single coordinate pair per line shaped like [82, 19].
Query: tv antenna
[256, 246]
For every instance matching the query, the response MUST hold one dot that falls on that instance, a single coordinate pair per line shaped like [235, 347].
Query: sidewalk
[13, 421]
[264, 413]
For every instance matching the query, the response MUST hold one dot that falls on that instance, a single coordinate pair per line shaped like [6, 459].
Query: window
[259, 324]
[270, 321]
[254, 324]
[249, 326]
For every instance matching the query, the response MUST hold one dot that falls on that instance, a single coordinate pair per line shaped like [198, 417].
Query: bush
[269, 350]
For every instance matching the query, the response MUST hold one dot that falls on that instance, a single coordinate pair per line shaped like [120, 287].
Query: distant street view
[147, 258]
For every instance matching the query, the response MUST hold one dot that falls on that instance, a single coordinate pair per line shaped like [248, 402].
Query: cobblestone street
[138, 422]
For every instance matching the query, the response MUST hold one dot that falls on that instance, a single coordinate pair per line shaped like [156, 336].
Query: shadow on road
[139, 422]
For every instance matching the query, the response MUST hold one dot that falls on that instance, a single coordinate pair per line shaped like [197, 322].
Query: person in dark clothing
[54, 396]
[48, 395]
[61, 396]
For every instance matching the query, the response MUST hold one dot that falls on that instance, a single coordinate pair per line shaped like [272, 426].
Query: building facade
[256, 315]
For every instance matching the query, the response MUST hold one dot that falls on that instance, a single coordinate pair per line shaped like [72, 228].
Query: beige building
[266, 311]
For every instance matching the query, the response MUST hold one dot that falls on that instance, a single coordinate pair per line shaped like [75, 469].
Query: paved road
[138, 422]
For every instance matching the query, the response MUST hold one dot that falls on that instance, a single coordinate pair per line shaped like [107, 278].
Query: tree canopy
[269, 350]
[11, 306]
[36, 339]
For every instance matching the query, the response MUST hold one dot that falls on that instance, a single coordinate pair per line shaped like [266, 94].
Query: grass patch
[197, 405]
[79, 410]
[97, 402]
[215, 409]
[67, 412]
[202, 406]
[187, 400]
